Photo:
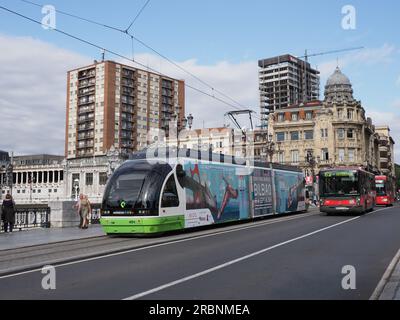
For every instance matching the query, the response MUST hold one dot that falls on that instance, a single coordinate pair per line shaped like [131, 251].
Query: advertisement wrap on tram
[146, 196]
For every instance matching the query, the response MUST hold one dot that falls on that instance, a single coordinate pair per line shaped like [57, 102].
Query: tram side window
[170, 197]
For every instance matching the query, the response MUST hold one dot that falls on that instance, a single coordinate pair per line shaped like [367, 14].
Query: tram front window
[126, 189]
[338, 184]
[135, 189]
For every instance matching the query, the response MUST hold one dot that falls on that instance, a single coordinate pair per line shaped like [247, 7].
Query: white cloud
[33, 94]
[33, 98]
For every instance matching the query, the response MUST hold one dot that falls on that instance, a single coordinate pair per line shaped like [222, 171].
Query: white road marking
[257, 225]
[246, 257]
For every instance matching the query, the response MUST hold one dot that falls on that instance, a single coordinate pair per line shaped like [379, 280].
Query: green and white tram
[151, 195]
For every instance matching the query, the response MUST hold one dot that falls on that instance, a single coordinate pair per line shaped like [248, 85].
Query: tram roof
[206, 156]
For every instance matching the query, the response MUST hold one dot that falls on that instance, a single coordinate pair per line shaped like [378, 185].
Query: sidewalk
[27, 238]
[389, 287]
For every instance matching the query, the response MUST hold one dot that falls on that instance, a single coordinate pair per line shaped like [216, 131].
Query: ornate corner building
[333, 132]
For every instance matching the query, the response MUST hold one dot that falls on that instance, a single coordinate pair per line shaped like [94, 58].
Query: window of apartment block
[325, 154]
[89, 179]
[308, 134]
[280, 136]
[350, 133]
[295, 156]
[309, 115]
[340, 133]
[351, 155]
[295, 116]
[341, 155]
[281, 117]
[294, 136]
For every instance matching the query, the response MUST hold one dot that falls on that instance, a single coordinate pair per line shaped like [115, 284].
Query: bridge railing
[28, 218]
[95, 215]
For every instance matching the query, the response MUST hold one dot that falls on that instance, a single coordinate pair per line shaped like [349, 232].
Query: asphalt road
[301, 258]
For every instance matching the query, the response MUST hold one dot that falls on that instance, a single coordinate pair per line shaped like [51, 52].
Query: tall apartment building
[111, 104]
[285, 81]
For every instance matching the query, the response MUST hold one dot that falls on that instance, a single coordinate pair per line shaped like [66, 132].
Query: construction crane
[307, 56]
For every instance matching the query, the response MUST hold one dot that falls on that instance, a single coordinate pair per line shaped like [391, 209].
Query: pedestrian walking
[85, 212]
[77, 207]
[8, 213]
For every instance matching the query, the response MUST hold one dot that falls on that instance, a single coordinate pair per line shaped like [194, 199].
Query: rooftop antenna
[103, 55]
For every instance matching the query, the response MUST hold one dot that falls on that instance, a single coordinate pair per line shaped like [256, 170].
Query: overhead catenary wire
[137, 16]
[114, 53]
[157, 52]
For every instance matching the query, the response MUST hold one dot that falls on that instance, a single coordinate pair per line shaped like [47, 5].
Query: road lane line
[257, 225]
[235, 261]
[229, 263]
[386, 276]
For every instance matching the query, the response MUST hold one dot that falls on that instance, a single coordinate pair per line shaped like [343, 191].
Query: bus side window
[170, 197]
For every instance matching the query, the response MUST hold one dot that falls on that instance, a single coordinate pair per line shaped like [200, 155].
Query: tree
[397, 168]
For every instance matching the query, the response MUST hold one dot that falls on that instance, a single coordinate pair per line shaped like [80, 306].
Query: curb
[390, 282]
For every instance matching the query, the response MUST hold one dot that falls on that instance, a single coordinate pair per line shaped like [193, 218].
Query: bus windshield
[339, 183]
[380, 188]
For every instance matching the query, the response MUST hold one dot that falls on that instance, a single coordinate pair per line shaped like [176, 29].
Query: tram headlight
[358, 201]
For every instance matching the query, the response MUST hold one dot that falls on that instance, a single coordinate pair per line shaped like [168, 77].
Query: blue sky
[239, 33]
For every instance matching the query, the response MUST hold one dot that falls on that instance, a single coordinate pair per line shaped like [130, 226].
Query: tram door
[170, 203]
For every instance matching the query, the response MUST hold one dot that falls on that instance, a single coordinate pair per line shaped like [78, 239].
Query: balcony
[87, 74]
[86, 91]
[87, 83]
[86, 127]
[85, 145]
[84, 119]
[86, 100]
[86, 136]
[86, 109]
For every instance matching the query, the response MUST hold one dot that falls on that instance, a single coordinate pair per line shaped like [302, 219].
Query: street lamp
[270, 147]
[76, 187]
[190, 119]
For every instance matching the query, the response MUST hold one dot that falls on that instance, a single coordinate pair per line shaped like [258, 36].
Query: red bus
[385, 191]
[344, 190]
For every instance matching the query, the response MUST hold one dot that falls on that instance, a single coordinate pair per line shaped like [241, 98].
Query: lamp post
[312, 162]
[270, 147]
[186, 121]
[190, 119]
[76, 187]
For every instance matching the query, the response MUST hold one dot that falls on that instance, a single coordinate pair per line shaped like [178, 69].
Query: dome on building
[338, 88]
[338, 78]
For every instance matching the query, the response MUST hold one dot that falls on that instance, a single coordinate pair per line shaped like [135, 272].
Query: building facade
[113, 105]
[386, 151]
[37, 179]
[333, 132]
[284, 81]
